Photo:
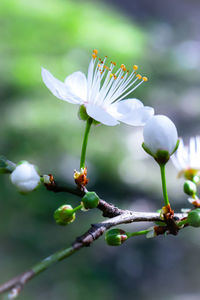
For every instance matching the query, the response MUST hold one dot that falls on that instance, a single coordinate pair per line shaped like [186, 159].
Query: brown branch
[95, 231]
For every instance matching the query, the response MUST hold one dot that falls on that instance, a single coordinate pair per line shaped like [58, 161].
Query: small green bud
[64, 215]
[115, 237]
[194, 218]
[190, 188]
[90, 200]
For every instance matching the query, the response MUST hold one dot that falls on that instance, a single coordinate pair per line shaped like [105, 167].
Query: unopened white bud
[160, 135]
[25, 177]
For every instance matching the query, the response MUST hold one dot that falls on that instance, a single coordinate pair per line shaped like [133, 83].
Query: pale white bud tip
[160, 133]
[25, 177]
[46, 179]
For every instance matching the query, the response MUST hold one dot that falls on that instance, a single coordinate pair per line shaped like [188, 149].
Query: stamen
[95, 51]
[135, 67]
[94, 56]
[139, 76]
[144, 78]
[123, 67]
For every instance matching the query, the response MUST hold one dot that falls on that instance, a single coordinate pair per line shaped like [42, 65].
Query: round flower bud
[194, 218]
[160, 138]
[190, 188]
[25, 177]
[64, 215]
[115, 237]
[90, 200]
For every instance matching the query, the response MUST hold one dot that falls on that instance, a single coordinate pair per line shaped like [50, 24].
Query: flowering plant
[102, 98]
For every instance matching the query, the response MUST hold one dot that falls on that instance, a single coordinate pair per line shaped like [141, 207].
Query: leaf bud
[64, 215]
[190, 188]
[115, 237]
[90, 200]
[194, 218]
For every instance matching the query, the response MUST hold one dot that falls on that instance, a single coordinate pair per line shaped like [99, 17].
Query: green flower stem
[142, 232]
[85, 141]
[182, 222]
[47, 262]
[77, 208]
[164, 187]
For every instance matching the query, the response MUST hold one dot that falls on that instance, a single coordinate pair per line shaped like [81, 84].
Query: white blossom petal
[77, 84]
[187, 157]
[99, 114]
[132, 112]
[58, 88]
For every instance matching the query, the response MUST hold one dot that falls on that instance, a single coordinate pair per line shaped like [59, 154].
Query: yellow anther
[94, 56]
[95, 51]
[144, 78]
[111, 74]
[122, 77]
[139, 76]
[123, 67]
[135, 67]
[99, 65]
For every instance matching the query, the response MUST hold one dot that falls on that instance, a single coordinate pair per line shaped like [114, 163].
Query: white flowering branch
[116, 217]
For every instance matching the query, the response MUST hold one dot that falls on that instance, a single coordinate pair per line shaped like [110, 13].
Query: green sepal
[176, 147]
[146, 149]
[82, 113]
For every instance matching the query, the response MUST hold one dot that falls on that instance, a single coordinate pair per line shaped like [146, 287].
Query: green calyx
[64, 215]
[161, 156]
[194, 218]
[190, 188]
[82, 114]
[90, 200]
[115, 237]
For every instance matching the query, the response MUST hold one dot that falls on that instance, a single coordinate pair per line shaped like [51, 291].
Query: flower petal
[132, 112]
[100, 115]
[58, 88]
[139, 116]
[77, 84]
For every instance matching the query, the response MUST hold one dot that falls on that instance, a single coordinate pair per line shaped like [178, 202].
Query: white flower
[102, 92]
[25, 177]
[187, 157]
[160, 133]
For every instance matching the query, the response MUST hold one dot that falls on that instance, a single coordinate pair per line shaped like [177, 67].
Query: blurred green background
[163, 39]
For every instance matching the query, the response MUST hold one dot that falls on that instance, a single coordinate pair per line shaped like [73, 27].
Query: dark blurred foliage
[163, 38]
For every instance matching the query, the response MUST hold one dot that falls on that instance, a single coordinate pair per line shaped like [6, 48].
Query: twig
[95, 231]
